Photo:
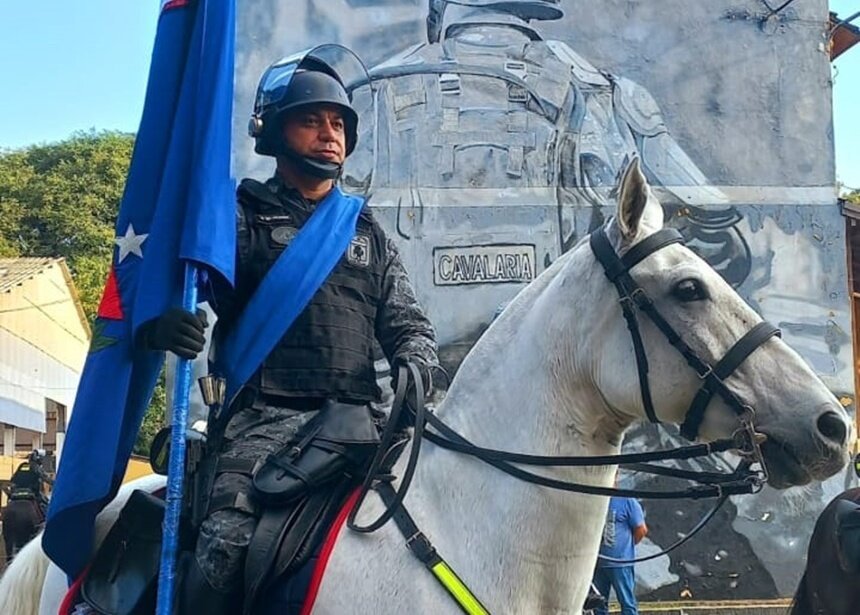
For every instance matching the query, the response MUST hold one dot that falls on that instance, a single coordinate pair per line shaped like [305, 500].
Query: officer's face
[317, 132]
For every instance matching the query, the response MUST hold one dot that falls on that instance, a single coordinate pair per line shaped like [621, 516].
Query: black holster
[340, 440]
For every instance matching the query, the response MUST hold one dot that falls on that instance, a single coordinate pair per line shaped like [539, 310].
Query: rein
[633, 299]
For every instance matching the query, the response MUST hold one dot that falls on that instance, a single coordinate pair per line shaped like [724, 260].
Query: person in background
[625, 528]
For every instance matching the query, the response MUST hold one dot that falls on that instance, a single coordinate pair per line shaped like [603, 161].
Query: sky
[88, 65]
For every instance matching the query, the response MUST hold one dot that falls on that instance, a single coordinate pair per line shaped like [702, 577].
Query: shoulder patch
[358, 253]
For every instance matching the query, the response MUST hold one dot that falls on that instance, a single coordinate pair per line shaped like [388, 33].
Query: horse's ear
[633, 201]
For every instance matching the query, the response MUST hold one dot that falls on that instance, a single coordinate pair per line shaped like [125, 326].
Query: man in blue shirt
[625, 527]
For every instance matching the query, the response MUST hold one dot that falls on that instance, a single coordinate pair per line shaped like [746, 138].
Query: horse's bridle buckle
[704, 375]
[748, 443]
[637, 297]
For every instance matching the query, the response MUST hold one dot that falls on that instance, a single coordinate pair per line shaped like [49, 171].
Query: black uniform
[328, 352]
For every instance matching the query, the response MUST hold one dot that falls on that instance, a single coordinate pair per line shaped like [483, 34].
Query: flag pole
[176, 463]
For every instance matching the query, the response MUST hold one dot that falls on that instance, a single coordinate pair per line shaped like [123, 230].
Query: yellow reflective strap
[464, 597]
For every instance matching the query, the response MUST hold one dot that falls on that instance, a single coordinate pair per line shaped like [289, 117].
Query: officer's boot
[195, 595]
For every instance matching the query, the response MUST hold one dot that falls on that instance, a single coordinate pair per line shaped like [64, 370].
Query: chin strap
[311, 166]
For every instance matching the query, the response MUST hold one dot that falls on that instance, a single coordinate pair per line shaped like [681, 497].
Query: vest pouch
[123, 578]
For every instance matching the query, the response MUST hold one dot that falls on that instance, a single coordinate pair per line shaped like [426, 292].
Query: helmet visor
[336, 60]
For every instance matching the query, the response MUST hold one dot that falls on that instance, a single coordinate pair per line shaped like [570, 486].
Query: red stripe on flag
[110, 306]
[174, 4]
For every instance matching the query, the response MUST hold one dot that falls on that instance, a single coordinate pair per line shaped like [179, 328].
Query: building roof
[16, 271]
[843, 35]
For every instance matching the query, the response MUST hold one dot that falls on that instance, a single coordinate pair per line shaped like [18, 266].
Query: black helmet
[293, 82]
[538, 10]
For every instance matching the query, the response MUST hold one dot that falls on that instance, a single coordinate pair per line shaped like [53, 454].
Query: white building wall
[27, 376]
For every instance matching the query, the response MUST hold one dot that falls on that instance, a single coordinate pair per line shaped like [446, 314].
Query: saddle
[123, 578]
[124, 575]
[32, 500]
[332, 451]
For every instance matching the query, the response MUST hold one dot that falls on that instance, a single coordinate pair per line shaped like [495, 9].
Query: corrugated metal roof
[14, 271]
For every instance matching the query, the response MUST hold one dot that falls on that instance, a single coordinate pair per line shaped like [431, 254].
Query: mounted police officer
[28, 480]
[302, 421]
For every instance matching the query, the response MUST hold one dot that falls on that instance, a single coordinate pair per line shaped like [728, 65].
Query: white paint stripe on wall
[524, 197]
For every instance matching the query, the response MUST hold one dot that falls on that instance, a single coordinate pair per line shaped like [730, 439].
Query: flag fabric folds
[178, 206]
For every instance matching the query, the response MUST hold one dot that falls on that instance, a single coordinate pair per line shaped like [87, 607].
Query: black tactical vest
[328, 351]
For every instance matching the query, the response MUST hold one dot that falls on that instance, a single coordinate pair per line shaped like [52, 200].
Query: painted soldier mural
[490, 128]
[495, 134]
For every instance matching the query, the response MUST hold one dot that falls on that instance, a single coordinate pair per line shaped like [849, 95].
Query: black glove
[423, 369]
[176, 331]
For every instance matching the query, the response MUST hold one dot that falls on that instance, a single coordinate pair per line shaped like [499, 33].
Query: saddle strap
[286, 538]
[421, 547]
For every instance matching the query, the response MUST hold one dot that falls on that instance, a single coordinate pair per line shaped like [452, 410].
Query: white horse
[555, 375]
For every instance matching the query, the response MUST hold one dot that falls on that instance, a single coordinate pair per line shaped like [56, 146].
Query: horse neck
[527, 383]
[508, 394]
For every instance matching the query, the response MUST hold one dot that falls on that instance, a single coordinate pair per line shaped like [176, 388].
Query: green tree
[61, 200]
[853, 196]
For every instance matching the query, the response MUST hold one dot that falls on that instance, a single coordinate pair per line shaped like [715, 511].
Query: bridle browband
[633, 297]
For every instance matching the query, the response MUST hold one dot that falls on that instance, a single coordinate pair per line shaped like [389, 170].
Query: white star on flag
[130, 243]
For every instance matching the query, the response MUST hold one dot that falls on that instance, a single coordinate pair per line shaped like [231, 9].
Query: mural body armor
[495, 131]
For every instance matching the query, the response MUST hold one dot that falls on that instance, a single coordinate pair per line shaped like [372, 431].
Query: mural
[493, 136]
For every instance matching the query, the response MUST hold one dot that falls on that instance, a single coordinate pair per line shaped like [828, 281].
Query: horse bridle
[632, 297]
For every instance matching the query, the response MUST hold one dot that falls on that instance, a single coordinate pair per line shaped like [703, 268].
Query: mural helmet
[323, 75]
[541, 10]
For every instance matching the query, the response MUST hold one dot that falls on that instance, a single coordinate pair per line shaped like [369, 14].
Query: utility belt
[22, 493]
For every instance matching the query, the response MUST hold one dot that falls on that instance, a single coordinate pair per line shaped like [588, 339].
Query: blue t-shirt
[623, 516]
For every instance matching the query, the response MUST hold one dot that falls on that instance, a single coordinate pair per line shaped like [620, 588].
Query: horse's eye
[690, 289]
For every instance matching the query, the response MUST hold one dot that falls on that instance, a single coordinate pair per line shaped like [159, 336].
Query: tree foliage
[61, 200]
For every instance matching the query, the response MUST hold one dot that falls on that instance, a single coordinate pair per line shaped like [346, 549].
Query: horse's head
[808, 431]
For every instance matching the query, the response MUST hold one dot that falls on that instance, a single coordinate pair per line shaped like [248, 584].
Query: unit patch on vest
[284, 234]
[358, 253]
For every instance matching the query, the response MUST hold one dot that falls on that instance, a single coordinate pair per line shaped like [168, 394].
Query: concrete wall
[728, 106]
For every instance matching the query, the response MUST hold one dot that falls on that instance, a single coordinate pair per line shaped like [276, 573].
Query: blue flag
[178, 205]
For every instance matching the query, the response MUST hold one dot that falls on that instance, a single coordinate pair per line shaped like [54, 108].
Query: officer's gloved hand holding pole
[177, 331]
